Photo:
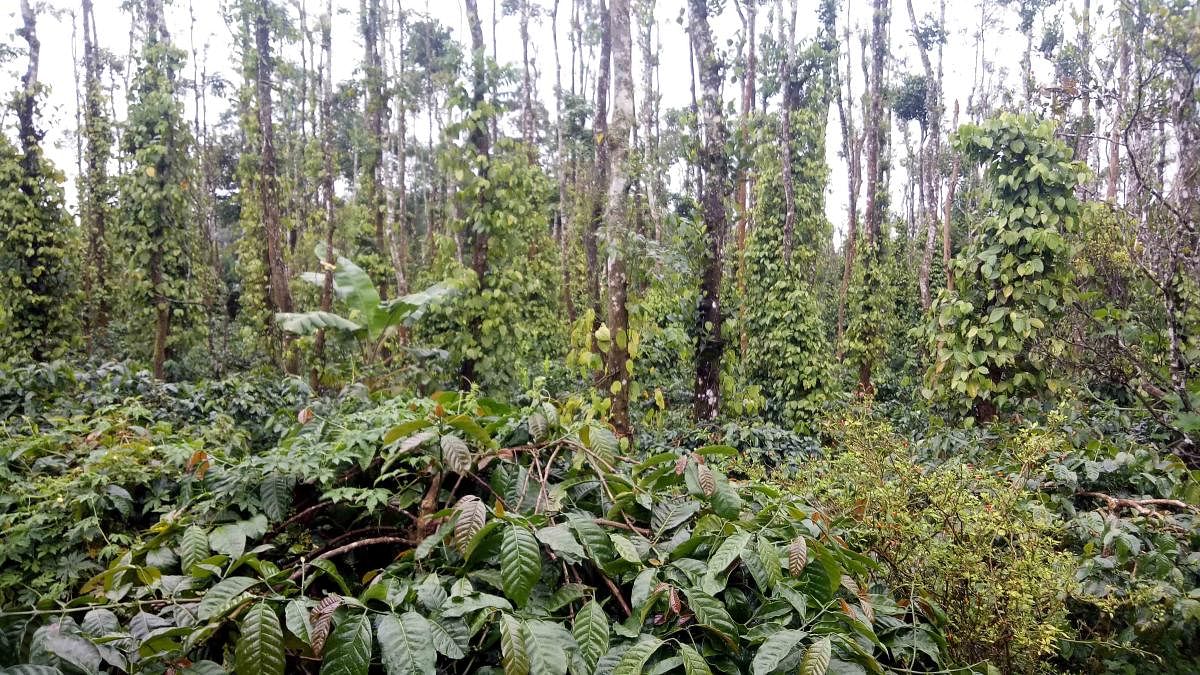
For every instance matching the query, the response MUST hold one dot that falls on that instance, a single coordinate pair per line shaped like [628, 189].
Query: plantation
[349, 342]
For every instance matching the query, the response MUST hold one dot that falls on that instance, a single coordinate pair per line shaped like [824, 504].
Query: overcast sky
[1002, 46]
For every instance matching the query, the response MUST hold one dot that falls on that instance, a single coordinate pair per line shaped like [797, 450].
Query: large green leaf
[405, 644]
[634, 660]
[711, 613]
[193, 547]
[591, 632]
[671, 513]
[260, 647]
[349, 649]
[308, 323]
[693, 661]
[450, 637]
[513, 654]
[520, 562]
[221, 598]
[816, 658]
[548, 645]
[776, 648]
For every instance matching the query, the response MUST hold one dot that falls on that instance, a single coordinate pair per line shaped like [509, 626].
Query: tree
[38, 285]
[617, 214]
[988, 336]
[713, 161]
[95, 188]
[156, 224]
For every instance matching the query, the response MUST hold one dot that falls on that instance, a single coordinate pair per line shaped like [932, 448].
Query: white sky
[1002, 46]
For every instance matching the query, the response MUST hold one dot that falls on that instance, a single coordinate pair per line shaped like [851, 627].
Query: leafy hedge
[451, 533]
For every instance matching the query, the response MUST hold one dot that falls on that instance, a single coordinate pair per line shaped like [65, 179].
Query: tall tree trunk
[280, 294]
[1114, 141]
[786, 73]
[1086, 128]
[930, 155]
[327, 180]
[601, 165]
[873, 126]
[713, 163]
[396, 223]
[476, 243]
[93, 207]
[372, 167]
[948, 209]
[852, 144]
[527, 121]
[563, 225]
[617, 213]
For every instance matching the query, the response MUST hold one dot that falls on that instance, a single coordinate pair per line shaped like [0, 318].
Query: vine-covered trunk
[617, 212]
[710, 344]
[601, 165]
[476, 243]
[327, 194]
[280, 295]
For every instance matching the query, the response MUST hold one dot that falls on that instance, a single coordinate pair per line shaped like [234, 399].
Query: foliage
[510, 322]
[370, 320]
[987, 336]
[964, 544]
[162, 264]
[38, 285]
[494, 568]
[788, 352]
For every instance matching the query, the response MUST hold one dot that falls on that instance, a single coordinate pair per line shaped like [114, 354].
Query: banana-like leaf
[307, 323]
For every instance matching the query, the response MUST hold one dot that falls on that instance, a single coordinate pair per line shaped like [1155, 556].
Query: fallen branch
[1142, 506]
[347, 548]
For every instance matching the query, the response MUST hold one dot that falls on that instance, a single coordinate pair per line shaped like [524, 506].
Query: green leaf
[711, 613]
[193, 547]
[349, 649]
[520, 562]
[450, 638]
[728, 551]
[776, 648]
[625, 548]
[223, 597]
[548, 645]
[513, 655]
[260, 647]
[634, 660]
[671, 513]
[405, 644]
[30, 670]
[275, 491]
[229, 539]
[591, 632]
[308, 323]
[74, 649]
[295, 616]
[562, 542]
[693, 661]
[816, 658]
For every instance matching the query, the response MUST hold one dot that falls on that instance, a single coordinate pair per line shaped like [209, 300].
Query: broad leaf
[405, 644]
[260, 647]
[520, 562]
[776, 648]
[349, 648]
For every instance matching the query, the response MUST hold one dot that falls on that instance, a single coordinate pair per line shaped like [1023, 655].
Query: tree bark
[327, 181]
[617, 214]
[710, 344]
[929, 154]
[852, 145]
[476, 239]
[562, 226]
[874, 124]
[373, 198]
[786, 71]
[948, 210]
[280, 294]
[601, 165]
